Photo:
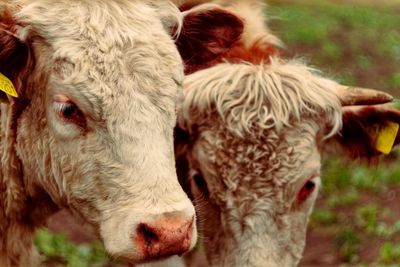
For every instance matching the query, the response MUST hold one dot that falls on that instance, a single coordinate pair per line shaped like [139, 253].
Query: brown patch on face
[256, 54]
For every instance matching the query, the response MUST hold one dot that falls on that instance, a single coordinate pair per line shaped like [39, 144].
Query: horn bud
[351, 96]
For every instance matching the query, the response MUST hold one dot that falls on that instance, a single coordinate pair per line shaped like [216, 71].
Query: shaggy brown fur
[251, 130]
[17, 248]
[200, 35]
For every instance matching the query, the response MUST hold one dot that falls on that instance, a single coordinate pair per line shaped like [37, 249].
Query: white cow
[92, 127]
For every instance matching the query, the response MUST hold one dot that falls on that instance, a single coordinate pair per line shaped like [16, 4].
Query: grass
[389, 253]
[59, 251]
[349, 244]
[358, 205]
[356, 45]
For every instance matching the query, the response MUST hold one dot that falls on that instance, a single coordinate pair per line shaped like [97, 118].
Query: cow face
[254, 195]
[98, 83]
[250, 139]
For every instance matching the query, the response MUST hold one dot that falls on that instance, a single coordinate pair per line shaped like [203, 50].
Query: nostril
[147, 233]
[167, 236]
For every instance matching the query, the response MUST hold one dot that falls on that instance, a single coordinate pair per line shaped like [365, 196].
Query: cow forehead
[100, 19]
[261, 166]
[107, 42]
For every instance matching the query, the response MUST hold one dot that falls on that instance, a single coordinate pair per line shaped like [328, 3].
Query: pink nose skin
[167, 236]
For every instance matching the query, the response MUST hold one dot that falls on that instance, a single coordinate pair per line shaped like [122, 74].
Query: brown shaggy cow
[251, 131]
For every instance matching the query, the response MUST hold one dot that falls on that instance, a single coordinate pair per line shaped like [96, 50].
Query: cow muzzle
[168, 234]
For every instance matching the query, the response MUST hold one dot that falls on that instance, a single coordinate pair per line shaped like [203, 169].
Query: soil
[322, 247]
[76, 231]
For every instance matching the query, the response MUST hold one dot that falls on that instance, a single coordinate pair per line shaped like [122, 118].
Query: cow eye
[199, 181]
[68, 111]
[306, 190]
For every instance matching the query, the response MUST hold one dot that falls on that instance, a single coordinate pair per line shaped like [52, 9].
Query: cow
[249, 144]
[91, 128]
[251, 131]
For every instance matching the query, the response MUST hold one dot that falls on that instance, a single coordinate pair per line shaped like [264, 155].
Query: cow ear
[207, 32]
[15, 53]
[15, 63]
[369, 131]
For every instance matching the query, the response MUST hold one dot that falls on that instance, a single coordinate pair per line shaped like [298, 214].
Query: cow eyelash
[69, 112]
[65, 110]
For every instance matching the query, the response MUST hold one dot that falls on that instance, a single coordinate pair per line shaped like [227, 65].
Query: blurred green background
[356, 221]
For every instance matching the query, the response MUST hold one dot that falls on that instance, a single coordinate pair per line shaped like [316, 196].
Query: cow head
[92, 127]
[250, 138]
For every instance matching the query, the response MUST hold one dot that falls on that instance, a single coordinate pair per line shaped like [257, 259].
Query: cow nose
[165, 237]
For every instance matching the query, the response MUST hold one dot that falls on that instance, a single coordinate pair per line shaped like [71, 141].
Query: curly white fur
[264, 96]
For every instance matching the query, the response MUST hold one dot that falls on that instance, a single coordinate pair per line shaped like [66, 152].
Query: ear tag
[385, 137]
[7, 87]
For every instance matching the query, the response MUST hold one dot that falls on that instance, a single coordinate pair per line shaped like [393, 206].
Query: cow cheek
[298, 231]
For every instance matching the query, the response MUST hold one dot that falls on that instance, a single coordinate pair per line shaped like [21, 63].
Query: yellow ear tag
[7, 86]
[385, 137]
